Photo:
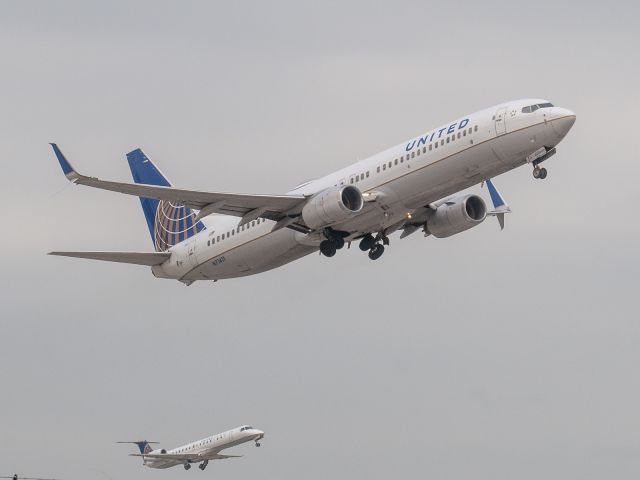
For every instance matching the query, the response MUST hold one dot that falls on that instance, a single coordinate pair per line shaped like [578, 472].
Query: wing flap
[137, 258]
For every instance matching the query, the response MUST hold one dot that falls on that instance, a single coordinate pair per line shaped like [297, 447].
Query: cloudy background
[491, 355]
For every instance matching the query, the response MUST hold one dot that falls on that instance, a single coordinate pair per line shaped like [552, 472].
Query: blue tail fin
[168, 224]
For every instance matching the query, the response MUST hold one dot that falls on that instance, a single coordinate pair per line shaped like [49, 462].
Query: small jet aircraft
[200, 451]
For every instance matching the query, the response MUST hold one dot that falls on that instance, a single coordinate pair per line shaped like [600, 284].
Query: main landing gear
[333, 243]
[540, 173]
[187, 466]
[203, 465]
[371, 243]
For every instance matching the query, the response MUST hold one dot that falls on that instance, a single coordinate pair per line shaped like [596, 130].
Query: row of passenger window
[233, 231]
[432, 146]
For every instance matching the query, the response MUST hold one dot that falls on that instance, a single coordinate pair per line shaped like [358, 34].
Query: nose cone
[562, 121]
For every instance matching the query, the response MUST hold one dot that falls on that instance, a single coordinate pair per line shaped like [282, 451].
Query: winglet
[67, 169]
[500, 207]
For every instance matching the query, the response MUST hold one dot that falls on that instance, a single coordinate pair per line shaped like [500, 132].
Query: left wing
[187, 457]
[247, 206]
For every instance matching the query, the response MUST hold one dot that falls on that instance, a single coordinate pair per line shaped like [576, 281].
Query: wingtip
[67, 168]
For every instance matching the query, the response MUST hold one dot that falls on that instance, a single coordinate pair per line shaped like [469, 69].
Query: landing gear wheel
[257, 444]
[543, 173]
[367, 242]
[376, 251]
[187, 466]
[536, 172]
[338, 242]
[328, 248]
[203, 465]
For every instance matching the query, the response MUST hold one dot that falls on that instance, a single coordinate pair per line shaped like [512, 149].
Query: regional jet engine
[456, 215]
[331, 206]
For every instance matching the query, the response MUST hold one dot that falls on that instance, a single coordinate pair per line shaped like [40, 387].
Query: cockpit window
[246, 427]
[533, 108]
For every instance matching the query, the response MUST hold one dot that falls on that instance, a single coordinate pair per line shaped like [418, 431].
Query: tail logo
[173, 224]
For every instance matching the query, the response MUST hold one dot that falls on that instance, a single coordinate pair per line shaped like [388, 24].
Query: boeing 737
[197, 452]
[413, 186]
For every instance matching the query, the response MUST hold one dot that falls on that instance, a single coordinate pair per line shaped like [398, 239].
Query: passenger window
[458, 135]
[430, 147]
[424, 149]
[448, 139]
[464, 134]
[208, 243]
[396, 161]
[390, 164]
[470, 131]
[367, 173]
[475, 129]
[442, 142]
[418, 152]
[378, 170]
[436, 144]
[362, 176]
[233, 231]
[413, 154]
[351, 180]
[384, 167]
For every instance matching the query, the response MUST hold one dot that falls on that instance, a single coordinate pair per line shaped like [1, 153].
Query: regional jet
[197, 452]
[416, 185]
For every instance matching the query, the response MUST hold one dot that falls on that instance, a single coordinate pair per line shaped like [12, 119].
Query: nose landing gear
[540, 173]
[257, 443]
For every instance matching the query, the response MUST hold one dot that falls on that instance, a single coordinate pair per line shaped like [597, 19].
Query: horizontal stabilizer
[136, 258]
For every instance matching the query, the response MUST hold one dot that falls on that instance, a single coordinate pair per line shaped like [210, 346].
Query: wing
[184, 457]
[136, 258]
[247, 206]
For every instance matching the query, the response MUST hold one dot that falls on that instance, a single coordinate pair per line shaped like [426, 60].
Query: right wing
[247, 206]
[136, 258]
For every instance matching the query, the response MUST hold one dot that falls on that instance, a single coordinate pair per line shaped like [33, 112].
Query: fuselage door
[500, 121]
[191, 253]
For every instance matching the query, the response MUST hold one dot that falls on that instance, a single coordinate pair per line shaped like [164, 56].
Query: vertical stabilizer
[168, 223]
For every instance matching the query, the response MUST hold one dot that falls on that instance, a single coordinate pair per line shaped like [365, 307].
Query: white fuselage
[401, 179]
[205, 449]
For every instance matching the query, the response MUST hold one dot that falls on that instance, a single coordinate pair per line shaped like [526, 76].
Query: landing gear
[187, 466]
[540, 173]
[328, 248]
[203, 465]
[367, 242]
[376, 251]
[257, 444]
[334, 241]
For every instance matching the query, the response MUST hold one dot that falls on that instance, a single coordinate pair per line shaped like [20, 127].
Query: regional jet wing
[247, 206]
[184, 457]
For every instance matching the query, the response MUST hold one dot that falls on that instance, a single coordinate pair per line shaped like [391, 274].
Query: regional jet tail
[200, 451]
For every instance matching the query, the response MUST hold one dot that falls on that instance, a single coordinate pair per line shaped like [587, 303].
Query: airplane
[200, 451]
[416, 185]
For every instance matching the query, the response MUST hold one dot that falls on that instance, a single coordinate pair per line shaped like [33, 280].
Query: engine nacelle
[331, 206]
[457, 215]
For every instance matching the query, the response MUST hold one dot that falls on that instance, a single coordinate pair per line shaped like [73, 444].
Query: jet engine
[456, 215]
[164, 450]
[331, 206]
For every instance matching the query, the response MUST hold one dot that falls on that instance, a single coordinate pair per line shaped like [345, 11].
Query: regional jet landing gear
[257, 443]
[203, 465]
[371, 243]
[187, 466]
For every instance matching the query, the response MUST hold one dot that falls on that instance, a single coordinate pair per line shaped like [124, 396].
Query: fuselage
[206, 448]
[402, 179]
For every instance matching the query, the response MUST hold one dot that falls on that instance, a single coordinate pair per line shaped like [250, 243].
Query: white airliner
[197, 452]
[412, 186]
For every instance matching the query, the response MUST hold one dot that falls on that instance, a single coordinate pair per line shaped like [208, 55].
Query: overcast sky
[490, 355]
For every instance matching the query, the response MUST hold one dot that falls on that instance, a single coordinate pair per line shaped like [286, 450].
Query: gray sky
[491, 355]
